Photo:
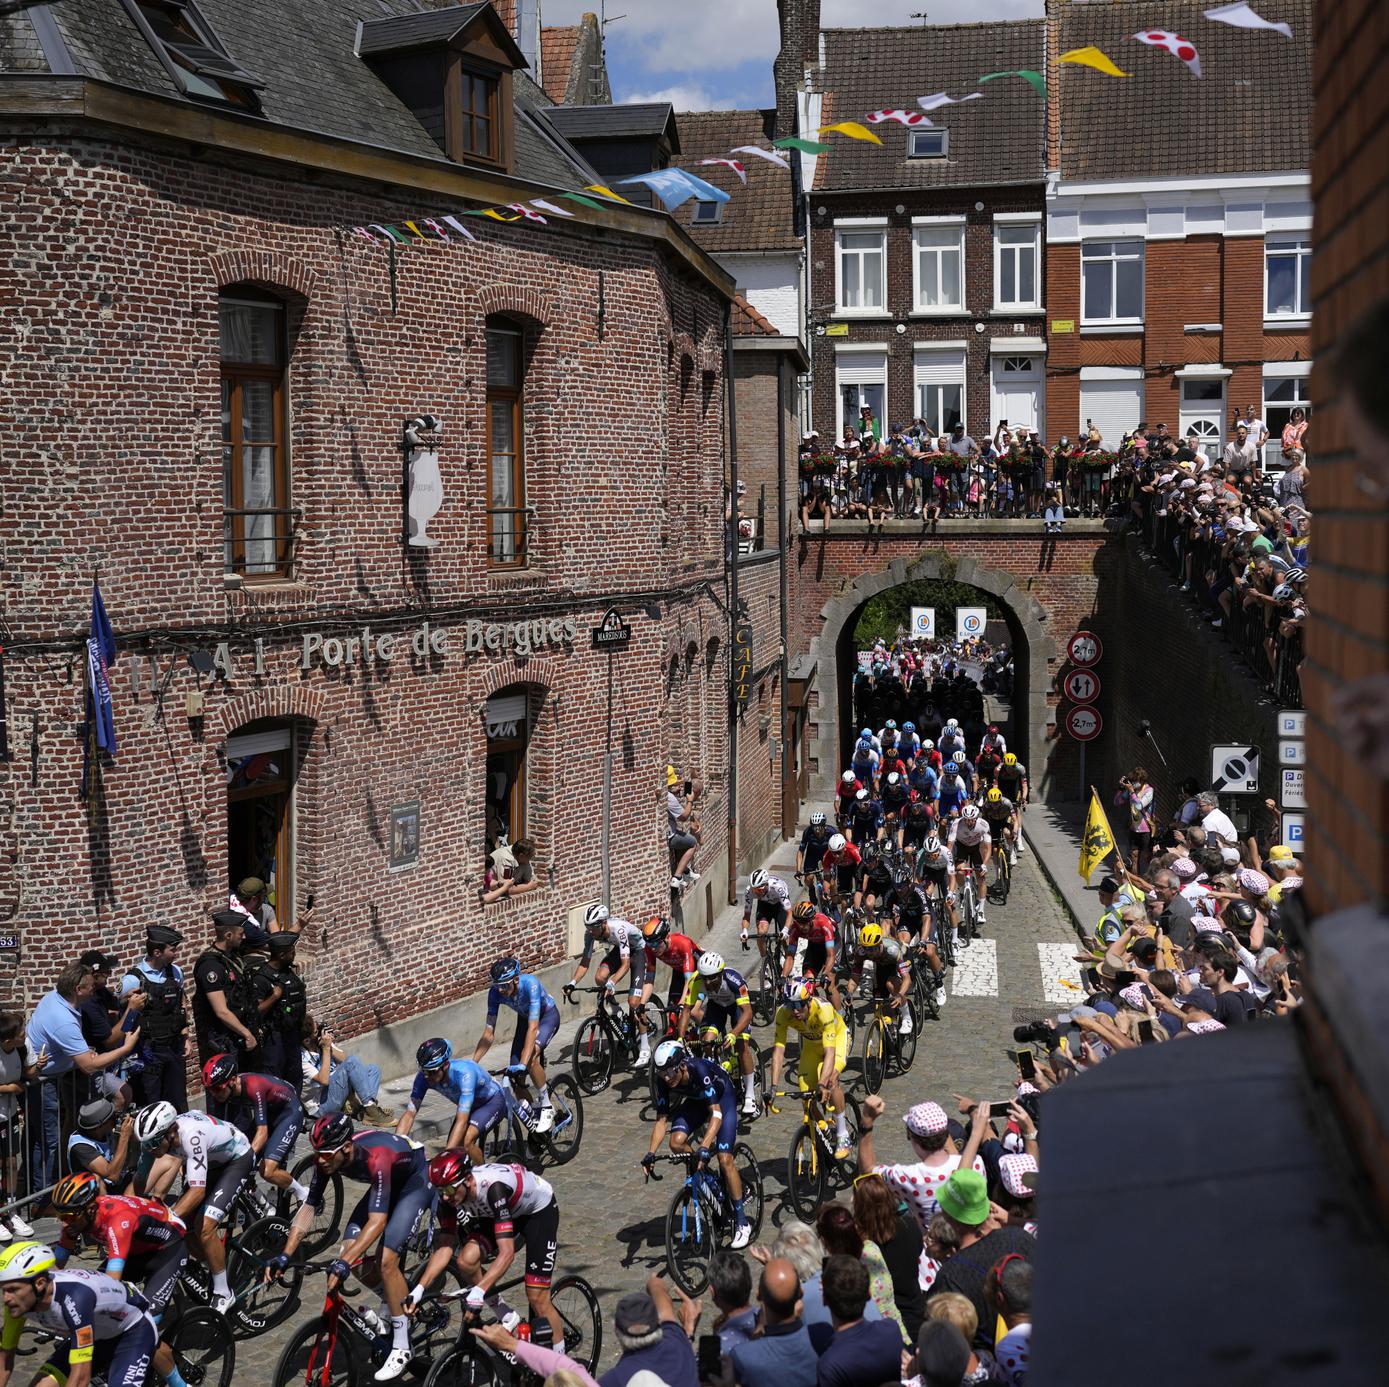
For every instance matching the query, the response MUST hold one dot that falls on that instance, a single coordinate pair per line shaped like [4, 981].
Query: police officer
[158, 1067]
[282, 1001]
[224, 1006]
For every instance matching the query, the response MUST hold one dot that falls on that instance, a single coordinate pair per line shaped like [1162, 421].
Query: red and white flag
[901, 117]
[1173, 43]
[529, 214]
[769, 155]
[729, 164]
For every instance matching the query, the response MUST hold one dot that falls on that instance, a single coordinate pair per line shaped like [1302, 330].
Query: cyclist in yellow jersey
[824, 1049]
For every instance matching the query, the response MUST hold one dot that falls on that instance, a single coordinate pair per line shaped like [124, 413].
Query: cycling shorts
[283, 1135]
[549, 1024]
[540, 1231]
[693, 1120]
[969, 854]
[486, 1114]
[124, 1361]
[939, 877]
[772, 910]
[812, 1060]
[815, 956]
[913, 924]
[637, 972]
[406, 1210]
[158, 1272]
[223, 1189]
[716, 1014]
[915, 833]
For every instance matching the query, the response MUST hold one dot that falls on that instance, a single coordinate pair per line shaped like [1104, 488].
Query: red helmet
[913, 796]
[219, 1071]
[450, 1167]
[331, 1133]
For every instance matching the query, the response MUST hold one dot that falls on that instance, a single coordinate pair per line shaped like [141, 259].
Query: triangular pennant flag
[549, 207]
[606, 192]
[1243, 16]
[930, 103]
[854, 129]
[1173, 43]
[730, 164]
[901, 117]
[527, 213]
[497, 215]
[1090, 56]
[389, 232]
[676, 186]
[417, 231]
[582, 200]
[460, 228]
[805, 146]
[761, 154]
[435, 228]
[365, 234]
[1029, 75]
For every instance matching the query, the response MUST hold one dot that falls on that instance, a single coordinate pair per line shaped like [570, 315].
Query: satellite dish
[201, 660]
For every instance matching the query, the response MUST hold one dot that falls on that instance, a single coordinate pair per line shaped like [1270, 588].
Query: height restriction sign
[1084, 649]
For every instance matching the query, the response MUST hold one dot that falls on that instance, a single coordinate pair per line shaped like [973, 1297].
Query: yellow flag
[1092, 57]
[854, 129]
[498, 215]
[607, 192]
[1098, 841]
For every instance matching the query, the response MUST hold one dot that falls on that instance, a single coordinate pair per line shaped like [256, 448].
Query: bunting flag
[1090, 56]
[389, 232]
[901, 117]
[854, 129]
[583, 201]
[607, 192]
[1038, 82]
[930, 103]
[527, 213]
[1173, 43]
[731, 164]
[549, 207]
[498, 214]
[805, 146]
[761, 154]
[676, 186]
[1243, 16]
[460, 228]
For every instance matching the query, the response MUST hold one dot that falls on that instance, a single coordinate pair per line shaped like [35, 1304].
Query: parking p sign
[969, 622]
[923, 623]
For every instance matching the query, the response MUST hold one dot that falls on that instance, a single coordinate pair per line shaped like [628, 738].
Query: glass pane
[1027, 274]
[1282, 284]
[226, 411]
[1128, 293]
[503, 420]
[257, 411]
[930, 279]
[849, 278]
[1285, 389]
[250, 333]
[860, 240]
[1017, 235]
[1196, 391]
[1097, 250]
[950, 277]
[873, 280]
[1304, 282]
[503, 358]
[1096, 280]
[949, 406]
[1007, 276]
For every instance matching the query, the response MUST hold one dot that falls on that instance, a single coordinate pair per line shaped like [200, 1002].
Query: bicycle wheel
[969, 912]
[905, 1041]
[313, 1355]
[689, 1241]
[841, 1174]
[261, 1304]
[561, 1143]
[764, 1002]
[593, 1056]
[875, 1045]
[750, 1172]
[657, 1020]
[499, 1145]
[467, 1365]
[577, 1306]
[438, 1323]
[327, 1222]
[805, 1174]
[1005, 875]
[203, 1348]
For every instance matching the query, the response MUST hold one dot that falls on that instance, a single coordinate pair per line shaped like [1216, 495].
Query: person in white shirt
[1216, 820]
[1258, 430]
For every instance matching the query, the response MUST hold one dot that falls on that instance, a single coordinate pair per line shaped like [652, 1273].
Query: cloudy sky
[717, 54]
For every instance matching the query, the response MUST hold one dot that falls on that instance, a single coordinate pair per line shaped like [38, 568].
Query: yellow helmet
[1010, 758]
[870, 936]
[994, 795]
[25, 1261]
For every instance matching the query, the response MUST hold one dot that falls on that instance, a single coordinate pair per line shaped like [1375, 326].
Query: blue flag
[674, 186]
[101, 655]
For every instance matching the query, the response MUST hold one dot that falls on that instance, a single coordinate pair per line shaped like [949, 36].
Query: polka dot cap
[1011, 1169]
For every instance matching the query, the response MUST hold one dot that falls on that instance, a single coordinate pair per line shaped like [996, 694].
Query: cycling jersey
[124, 1227]
[730, 991]
[819, 929]
[269, 1098]
[504, 1193]
[894, 797]
[618, 934]
[814, 844]
[850, 857]
[774, 896]
[953, 794]
[821, 1026]
[385, 1163]
[678, 952]
[1010, 779]
[465, 1083]
[910, 903]
[865, 767]
[205, 1142]
[969, 835]
[996, 813]
[866, 816]
[888, 959]
[938, 861]
[87, 1308]
[528, 1002]
[993, 745]
[705, 1082]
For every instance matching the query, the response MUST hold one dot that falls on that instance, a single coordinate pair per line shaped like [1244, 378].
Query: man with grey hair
[1172, 911]
[1214, 819]
[653, 1339]
[800, 1245]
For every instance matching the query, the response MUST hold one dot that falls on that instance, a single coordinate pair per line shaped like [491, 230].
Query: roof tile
[748, 322]
[557, 47]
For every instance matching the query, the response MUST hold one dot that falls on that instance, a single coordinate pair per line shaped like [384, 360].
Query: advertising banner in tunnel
[970, 622]
[924, 623]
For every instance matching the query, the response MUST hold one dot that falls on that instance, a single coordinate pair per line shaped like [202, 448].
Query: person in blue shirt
[814, 841]
[537, 1022]
[478, 1096]
[953, 793]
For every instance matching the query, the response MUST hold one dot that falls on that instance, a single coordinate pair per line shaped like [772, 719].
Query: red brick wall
[112, 464]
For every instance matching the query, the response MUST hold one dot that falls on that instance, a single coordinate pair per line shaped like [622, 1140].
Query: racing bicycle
[811, 1168]
[608, 1034]
[700, 1218]
[514, 1137]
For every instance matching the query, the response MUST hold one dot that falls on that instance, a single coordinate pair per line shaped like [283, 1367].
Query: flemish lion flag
[1098, 841]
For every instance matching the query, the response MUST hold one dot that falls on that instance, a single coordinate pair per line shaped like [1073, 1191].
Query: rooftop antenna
[918, 14]
[604, 19]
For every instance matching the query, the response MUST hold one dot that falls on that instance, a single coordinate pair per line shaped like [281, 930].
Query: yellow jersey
[820, 1027]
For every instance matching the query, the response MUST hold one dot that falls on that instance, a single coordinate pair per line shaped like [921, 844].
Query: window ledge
[940, 313]
[1124, 329]
[1287, 324]
[279, 590]
[1033, 312]
[862, 313]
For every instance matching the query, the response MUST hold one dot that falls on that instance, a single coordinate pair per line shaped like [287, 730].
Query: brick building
[925, 257]
[208, 378]
[1178, 223]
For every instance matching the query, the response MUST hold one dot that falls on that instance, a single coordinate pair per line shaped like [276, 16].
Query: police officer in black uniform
[224, 1004]
[282, 1000]
[158, 1068]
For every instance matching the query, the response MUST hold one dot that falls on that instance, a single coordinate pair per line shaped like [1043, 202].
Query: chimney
[525, 28]
[800, 50]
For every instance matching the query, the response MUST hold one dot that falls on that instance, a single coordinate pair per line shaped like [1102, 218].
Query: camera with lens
[1034, 1033]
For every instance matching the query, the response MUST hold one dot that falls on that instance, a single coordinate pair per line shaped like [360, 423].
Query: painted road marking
[976, 970]
[1058, 963]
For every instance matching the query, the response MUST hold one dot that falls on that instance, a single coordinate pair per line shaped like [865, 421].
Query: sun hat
[965, 1197]
[1011, 1169]
[1253, 881]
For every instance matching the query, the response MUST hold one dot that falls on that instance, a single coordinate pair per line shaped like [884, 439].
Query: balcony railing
[509, 533]
[265, 546]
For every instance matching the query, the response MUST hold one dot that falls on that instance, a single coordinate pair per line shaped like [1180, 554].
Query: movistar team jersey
[530, 1000]
[705, 1082]
[465, 1083]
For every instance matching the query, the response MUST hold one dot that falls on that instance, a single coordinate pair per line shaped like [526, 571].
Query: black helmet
[1241, 914]
[433, 1053]
[506, 970]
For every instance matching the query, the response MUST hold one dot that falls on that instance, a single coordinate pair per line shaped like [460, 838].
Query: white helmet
[933, 842]
[928, 745]
[596, 915]
[837, 843]
[817, 819]
[847, 778]
[893, 778]
[759, 879]
[952, 726]
[969, 813]
[154, 1122]
[668, 1055]
[710, 964]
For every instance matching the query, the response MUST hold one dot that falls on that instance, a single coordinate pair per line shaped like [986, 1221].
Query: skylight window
[192, 53]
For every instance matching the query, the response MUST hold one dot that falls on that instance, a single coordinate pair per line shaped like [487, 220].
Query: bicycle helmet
[449, 1168]
[759, 879]
[152, 1124]
[995, 795]
[928, 745]
[932, 842]
[25, 1261]
[1010, 758]
[805, 910]
[1241, 913]
[913, 796]
[1282, 593]
[953, 725]
[893, 778]
[889, 726]
[865, 734]
[862, 796]
[865, 739]
[797, 992]
[908, 727]
[818, 819]
[710, 964]
[506, 970]
[219, 1071]
[847, 778]
[902, 876]
[433, 1054]
[993, 729]
[969, 813]
[838, 842]
[75, 1194]
[596, 915]
[870, 936]
[657, 931]
[331, 1133]
[668, 1055]
[959, 759]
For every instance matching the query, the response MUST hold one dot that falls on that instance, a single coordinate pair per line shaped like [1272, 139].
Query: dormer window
[478, 123]
[191, 52]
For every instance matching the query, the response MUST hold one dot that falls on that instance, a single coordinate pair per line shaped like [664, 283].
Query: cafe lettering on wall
[742, 663]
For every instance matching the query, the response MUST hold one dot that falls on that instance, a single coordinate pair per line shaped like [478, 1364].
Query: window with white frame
[1282, 395]
[861, 379]
[1287, 276]
[939, 270]
[862, 270]
[940, 389]
[1111, 278]
[1017, 267]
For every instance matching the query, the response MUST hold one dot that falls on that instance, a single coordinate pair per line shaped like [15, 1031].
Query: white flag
[460, 228]
[549, 207]
[930, 103]
[766, 154]
[729, 163]
[1242, 16]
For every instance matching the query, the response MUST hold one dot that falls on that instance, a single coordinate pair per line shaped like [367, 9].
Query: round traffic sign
[1081, 686]
[1083, 722]
[1084, 649]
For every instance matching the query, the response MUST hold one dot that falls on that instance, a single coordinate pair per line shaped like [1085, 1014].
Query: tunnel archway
[1031, 643]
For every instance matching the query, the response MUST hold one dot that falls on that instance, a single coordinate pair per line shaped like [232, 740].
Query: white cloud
[684, 96]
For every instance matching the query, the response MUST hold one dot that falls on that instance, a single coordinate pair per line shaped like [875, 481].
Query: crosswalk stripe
[976, 970]
[1058, 963]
